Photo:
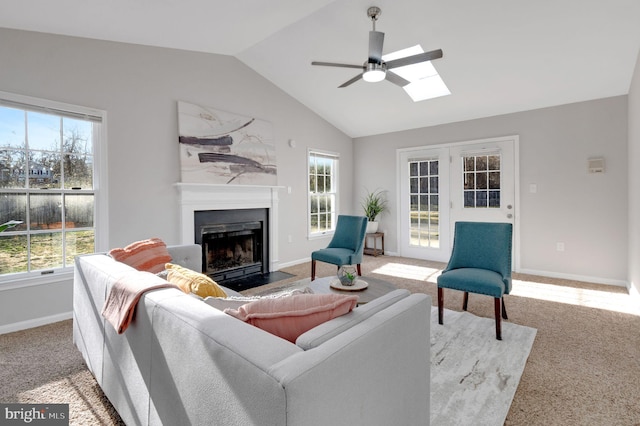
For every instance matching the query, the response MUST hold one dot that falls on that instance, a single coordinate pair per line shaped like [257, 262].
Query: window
[481, 181]
[47, 168]
[323, 183]
[424, 211]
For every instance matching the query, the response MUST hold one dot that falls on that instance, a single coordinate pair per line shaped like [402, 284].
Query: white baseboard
[36, 322]
[583, 278]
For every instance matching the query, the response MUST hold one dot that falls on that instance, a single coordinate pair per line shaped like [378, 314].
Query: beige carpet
[583, 369]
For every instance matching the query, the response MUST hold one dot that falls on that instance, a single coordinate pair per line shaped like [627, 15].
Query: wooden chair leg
[313, 270]
[359, 270]
[497, 310]
[465, 300]
[440, 304]
[504, 310]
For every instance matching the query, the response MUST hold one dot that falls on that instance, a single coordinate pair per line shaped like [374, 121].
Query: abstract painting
[220, 147]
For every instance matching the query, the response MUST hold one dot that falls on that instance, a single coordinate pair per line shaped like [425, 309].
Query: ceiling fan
[375, 68]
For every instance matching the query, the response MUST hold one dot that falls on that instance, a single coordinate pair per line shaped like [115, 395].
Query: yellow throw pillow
[193, 282]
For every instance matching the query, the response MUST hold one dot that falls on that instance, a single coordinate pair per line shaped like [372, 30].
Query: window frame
[335, 184]
[99, 191]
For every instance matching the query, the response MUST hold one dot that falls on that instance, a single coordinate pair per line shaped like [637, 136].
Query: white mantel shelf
[202, 196]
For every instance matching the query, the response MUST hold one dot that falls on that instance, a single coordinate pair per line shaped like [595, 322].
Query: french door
[440, 185]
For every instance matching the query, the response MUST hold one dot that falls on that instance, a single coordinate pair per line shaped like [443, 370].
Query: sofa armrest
[375, 373]
[325, 331]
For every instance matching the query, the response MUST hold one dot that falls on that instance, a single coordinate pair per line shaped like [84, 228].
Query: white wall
[139, 88]
[634, 181]
[586, 212]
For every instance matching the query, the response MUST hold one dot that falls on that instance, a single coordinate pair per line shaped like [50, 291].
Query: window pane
[79, 210]
[44, 170]
[469, 199]
[433, 167]
[481, 199]
[424, 168]
[424, 185]
[433, 184]
[78, 171]
[14, 207]
[413, 169]
[494, 198]
[46, 250]
[312, 183]
[469, 164]
[43, 131]
[434, 203]
[494, 162]
[314, 204]
[494, 180]
[424, 203]
[45, 211]
[469, 181]
[413, 184]
[414, 203]
[481, 162]
[12, 166]
[321, 187]
[77, 136]
[13, 254]
[481, 181]
[78, 242]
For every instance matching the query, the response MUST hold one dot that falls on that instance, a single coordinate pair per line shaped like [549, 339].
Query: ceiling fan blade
[332, 64]
[376, 41]
[415, 59]
[350, 82]
[396, 79]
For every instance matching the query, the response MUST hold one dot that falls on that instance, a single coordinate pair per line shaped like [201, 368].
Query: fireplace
[234, 243]
[198, 206]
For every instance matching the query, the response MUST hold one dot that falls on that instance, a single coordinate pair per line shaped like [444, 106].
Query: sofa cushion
[193, 282]
[323, 332]
[147, 255]
[289, 317]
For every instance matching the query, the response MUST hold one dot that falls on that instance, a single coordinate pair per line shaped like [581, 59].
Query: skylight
[426, 83]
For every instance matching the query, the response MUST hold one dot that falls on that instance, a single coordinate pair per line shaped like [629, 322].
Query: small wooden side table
[374, 251]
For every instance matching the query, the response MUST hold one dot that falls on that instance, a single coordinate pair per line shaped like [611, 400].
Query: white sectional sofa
[183, 362]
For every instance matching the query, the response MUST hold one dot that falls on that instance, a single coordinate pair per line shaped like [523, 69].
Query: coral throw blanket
[120, 306]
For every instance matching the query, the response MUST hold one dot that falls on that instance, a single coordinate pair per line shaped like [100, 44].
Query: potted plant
[373, 204]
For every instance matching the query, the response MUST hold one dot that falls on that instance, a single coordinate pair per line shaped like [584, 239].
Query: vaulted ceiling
[500, 56]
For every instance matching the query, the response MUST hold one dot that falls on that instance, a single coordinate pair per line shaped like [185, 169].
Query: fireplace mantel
[199, 197]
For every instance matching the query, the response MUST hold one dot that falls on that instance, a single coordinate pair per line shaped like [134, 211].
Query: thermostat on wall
[596, 165]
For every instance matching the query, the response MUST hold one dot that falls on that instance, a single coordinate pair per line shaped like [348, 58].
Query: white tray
[359, 285]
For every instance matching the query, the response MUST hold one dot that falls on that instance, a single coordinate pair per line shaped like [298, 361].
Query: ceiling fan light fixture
[374, 72]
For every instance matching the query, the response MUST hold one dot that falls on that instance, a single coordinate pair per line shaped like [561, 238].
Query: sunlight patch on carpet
[611, 301]
[410, 272]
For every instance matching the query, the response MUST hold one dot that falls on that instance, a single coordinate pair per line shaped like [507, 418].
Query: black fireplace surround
[235, 244]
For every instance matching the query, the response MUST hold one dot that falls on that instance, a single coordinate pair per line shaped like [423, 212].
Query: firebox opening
[232, 250]
[235, 245]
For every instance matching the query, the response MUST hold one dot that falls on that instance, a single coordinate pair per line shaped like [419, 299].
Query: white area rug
[474, 376]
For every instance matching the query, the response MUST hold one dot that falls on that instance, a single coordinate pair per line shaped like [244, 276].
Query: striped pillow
[147, 255]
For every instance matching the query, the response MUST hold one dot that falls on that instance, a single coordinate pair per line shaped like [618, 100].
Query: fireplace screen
[232, 250]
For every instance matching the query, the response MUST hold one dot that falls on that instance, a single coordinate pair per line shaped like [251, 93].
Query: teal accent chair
[480, 263]
[346, 246]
